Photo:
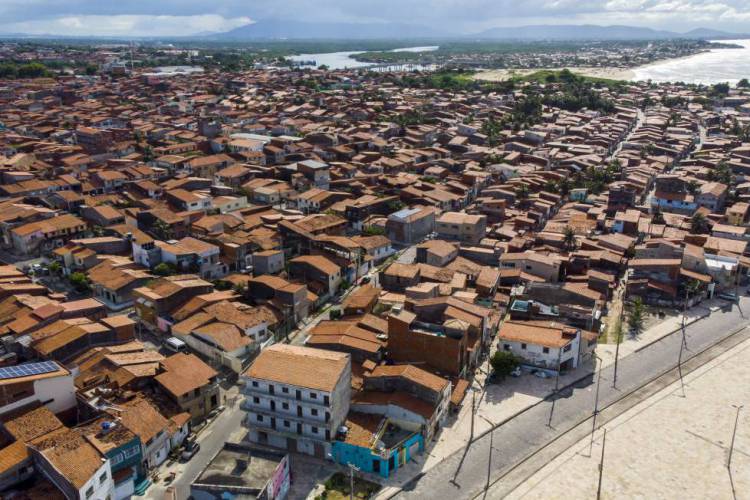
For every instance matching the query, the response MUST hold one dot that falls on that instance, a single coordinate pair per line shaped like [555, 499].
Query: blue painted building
[123, 449]
[376, 445]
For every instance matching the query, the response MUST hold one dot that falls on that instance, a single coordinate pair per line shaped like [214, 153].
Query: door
[318, 450]
[291, 445]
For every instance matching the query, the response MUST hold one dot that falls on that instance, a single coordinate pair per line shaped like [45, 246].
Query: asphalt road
[211, 441]
[466, 474]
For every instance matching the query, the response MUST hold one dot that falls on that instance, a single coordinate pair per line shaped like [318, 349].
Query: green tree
[743, 84]
[503, 363]
[162, 230]
[635, 317]
[569, 238]
[91, 69]
[657, 217]
[32, 70]
[699, 224]
[55, 267]
[522, 192]
[79, 281]
[164, 269]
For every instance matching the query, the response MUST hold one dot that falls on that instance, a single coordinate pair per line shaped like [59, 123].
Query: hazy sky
[183, 17]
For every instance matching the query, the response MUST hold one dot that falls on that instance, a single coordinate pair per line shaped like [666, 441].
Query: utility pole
[596, 406]
[734, 435]
[557, 386]
[618, 332]
[619, 329]
[601, 467]
[352, 468]
[473, 412]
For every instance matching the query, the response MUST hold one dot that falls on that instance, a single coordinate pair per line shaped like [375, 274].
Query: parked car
[516, 372]
[728, 296]
[190, 449]
[541, 374]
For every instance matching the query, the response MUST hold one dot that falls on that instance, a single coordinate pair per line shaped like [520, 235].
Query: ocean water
[715, 66]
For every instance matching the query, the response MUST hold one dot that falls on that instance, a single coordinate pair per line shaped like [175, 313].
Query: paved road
[466, 476]
[211, 440]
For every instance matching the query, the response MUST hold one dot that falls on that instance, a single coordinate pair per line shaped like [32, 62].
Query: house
[319, 273]
[153, 429]
[191, 384]
[377, 247]
[45, 382]
[113, 285]
[70, 462]
[268, 262]
[712, 196]
[533, 263]
[547, 345]
[398, 277]
[46, 234]
[410, 225]
[437, 253]
[155, 302]
[293, 299]
[458, 226]
[296, 398]
[194, 256]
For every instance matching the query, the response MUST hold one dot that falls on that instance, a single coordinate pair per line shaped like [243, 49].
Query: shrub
[504, 362]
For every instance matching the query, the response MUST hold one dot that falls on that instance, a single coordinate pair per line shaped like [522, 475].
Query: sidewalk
[502, 402]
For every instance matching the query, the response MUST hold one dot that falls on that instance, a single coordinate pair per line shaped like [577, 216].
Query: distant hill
[274, 29]
[593, 32]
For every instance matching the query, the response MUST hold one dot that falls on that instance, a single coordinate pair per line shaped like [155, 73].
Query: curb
[672, 332]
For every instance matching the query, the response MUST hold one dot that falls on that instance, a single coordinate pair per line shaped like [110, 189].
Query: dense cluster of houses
[225, 212]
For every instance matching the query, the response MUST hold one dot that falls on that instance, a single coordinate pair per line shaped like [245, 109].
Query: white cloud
[126, 25]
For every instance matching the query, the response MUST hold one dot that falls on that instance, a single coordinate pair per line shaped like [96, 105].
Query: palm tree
[698, 224]
[162, 230]
[657, 217]
[569, 238]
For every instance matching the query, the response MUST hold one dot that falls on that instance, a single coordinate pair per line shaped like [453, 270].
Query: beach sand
[499, 75]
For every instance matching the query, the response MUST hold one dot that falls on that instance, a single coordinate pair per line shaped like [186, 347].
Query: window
[313, 395]
[314, 412]
[103, 477]
[506, 347]
[314, 429]
[90, 492]
[256, 400]
[326, 400]
[545, 350]
[255, 383]
[285, 406]
[523, 346]
[286, 423]
[567, 348]
[285, 390]
[259, 418]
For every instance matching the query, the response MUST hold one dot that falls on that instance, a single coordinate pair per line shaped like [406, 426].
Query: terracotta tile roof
[184, 373]
[300, 366]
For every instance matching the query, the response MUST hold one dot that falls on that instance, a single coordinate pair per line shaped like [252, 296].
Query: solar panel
[28, 369]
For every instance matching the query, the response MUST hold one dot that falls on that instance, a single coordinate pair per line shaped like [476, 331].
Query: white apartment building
[296, 398]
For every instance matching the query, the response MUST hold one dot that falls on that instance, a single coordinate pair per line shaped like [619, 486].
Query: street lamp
[596, 404]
